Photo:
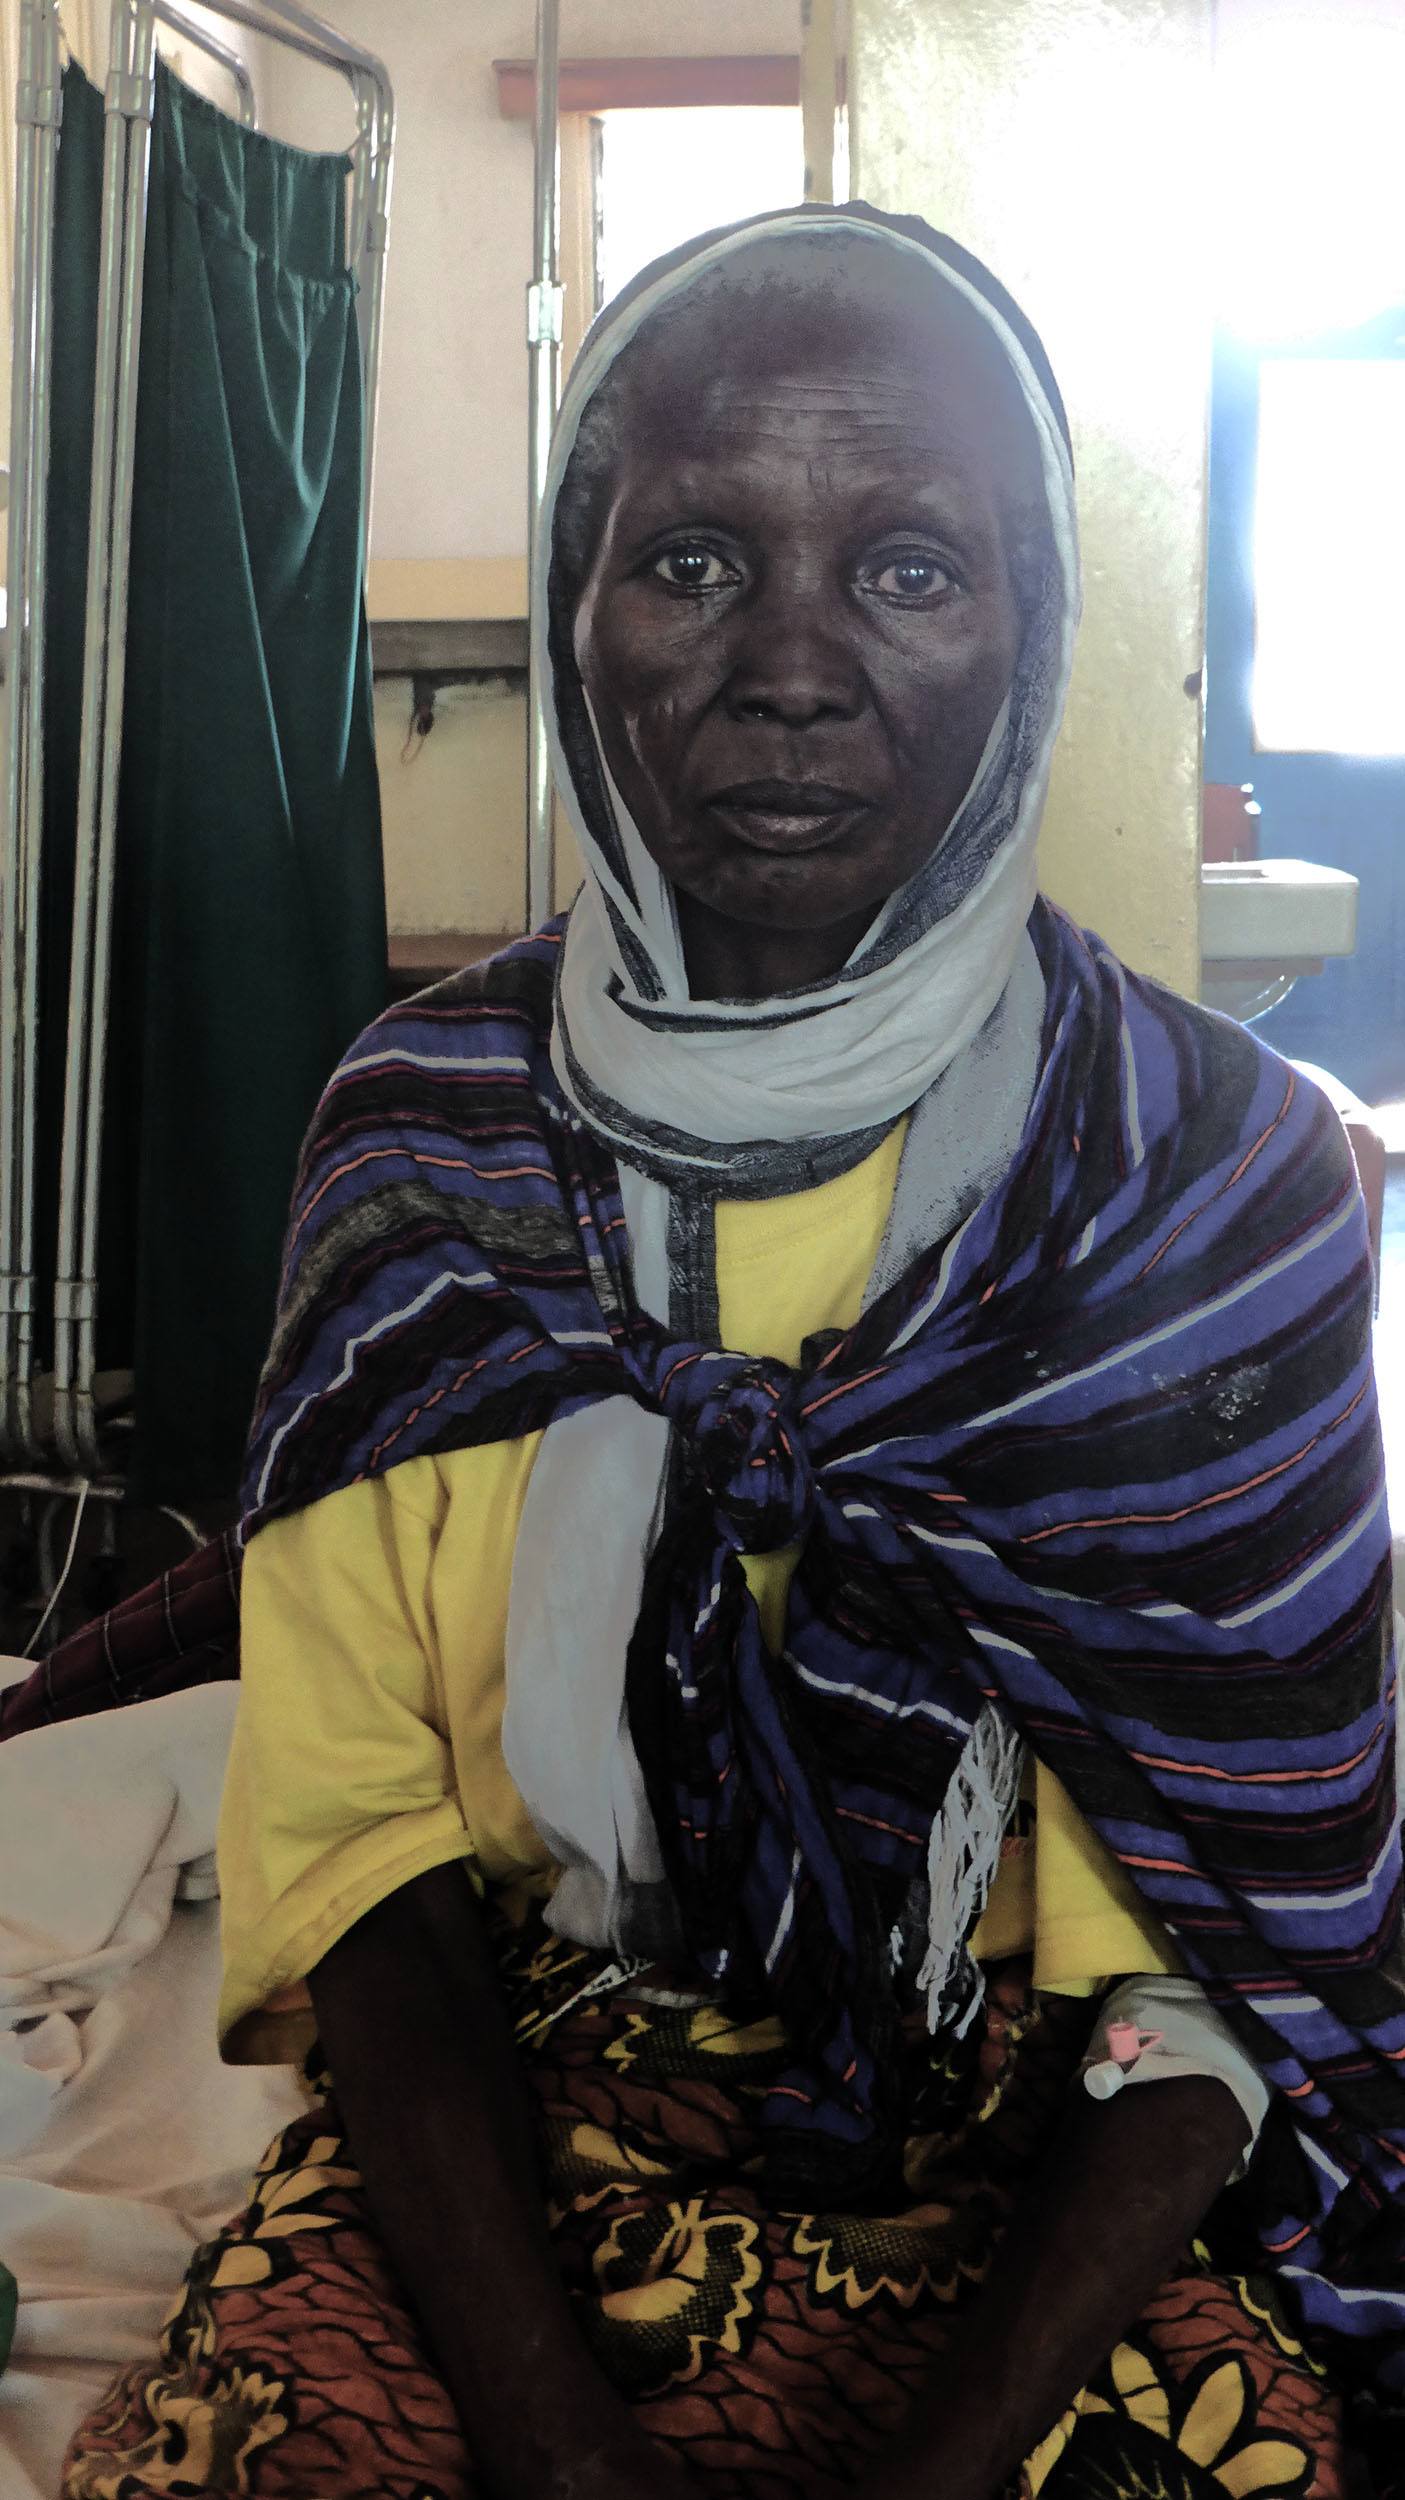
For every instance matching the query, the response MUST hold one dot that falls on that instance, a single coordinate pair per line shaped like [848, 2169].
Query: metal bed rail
[129, 106]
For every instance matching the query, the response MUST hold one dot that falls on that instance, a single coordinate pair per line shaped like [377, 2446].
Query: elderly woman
[815, 1569]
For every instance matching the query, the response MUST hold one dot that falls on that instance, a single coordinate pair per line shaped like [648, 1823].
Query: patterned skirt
[774, 2351]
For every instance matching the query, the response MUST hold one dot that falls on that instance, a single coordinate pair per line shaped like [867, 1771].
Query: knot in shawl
[739, 1422]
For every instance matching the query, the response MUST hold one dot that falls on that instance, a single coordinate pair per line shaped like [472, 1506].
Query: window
[676, 171]
[1307, 165]
[1329, 556]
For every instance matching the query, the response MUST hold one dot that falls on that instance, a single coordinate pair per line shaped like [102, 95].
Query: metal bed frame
[69, 1456]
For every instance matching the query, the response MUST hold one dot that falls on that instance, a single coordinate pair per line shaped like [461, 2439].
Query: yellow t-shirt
[368, 1742]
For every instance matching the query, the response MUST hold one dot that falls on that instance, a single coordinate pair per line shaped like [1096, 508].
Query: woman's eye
[912, 576]
[693, 568]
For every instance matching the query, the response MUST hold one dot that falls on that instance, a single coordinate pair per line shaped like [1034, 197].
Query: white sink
[1274, 910]
[1263, 922]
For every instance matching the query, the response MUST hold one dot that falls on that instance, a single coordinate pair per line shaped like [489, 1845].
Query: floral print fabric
[773, 2350]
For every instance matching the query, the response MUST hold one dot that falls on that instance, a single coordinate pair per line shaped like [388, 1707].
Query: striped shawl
[1109, 1455]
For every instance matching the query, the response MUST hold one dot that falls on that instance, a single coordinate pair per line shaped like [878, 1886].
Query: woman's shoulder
[467, 1059]
[429, 1218]
[497, 1008]
[1188, 1078]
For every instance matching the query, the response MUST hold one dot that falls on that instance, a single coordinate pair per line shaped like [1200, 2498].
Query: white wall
[452, 457]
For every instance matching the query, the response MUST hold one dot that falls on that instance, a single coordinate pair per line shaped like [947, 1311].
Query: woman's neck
[737, 959]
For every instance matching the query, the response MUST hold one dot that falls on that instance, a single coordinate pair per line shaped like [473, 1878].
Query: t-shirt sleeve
[1090, 1922]
[1061, 1896]
[341, 1783]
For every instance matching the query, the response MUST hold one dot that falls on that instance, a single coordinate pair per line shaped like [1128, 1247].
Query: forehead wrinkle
[709, 474]
[869, 435]
[821, 391]
[916, 453]
[866, 415]
[867, 412]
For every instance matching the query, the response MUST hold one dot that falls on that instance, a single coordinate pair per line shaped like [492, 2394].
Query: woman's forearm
[437, 2109]
[1124, 2188]
[438, 2113]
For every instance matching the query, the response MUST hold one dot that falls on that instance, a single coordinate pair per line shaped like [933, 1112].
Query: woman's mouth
[786, 818]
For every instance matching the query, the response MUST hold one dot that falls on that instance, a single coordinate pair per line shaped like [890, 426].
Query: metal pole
[228, 60]
[375, 108]
[362, 150]
[819, 93]
[544, 381]
[139, 108]
[48, 113]
[284, 22]
[126, 156]
[16, 1179]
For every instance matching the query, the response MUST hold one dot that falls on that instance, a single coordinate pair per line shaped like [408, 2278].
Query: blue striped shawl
[1110, 1454]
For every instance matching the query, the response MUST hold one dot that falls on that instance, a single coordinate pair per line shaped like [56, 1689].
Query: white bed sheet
[138, 2143]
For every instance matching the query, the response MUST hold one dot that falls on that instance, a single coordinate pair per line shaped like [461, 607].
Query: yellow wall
[452, 808]
[1062, 140]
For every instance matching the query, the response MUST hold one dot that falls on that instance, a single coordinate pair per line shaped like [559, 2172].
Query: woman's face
[798, 626]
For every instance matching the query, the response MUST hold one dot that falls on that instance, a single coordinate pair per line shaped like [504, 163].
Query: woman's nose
[794, 665]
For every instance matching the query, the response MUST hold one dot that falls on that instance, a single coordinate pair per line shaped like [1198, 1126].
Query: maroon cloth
[180, 1630]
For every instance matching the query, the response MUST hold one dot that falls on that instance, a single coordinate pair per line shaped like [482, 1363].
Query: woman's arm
[1125, 2186]
[417, 2038]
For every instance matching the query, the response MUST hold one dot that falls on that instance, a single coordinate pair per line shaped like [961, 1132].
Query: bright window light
[1309, 168]
[668, 174]
[1329, 557]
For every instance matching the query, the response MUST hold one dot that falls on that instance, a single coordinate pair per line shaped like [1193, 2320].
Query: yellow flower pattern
[1207, 2422]
[673, 2288]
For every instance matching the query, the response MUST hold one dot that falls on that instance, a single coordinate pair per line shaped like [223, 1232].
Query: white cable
[62, 1581]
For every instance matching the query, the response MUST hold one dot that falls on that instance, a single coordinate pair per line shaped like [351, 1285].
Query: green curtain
[249, 943]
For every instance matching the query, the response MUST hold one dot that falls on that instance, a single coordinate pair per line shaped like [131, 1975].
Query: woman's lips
[786, 819]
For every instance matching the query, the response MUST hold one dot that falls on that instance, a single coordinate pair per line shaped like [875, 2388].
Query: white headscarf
[856, 1050]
